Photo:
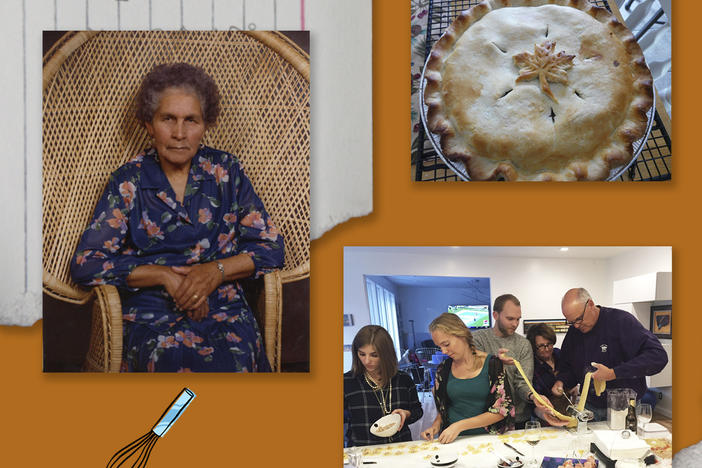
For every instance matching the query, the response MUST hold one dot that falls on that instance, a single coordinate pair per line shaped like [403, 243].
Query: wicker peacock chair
[90, 80]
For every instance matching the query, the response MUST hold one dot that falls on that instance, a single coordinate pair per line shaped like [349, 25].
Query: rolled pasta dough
[571, 420]
[599, 388]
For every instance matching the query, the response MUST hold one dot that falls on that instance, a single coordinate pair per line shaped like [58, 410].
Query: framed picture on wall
[558, 325]
[662, 321]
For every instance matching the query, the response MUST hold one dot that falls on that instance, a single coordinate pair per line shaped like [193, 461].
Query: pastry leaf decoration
[544, 63]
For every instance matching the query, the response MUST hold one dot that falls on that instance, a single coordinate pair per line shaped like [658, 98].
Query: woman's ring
[195, 296]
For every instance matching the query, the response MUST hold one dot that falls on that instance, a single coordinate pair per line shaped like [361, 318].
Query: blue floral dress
[139, 222]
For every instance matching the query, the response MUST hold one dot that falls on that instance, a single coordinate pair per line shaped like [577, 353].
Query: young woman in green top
[469, 392]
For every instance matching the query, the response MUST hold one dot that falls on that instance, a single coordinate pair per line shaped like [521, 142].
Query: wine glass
[644, 414]
[532, 432]
[355, 456]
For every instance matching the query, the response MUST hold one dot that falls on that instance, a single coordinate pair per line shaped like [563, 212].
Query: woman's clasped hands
[189, 286]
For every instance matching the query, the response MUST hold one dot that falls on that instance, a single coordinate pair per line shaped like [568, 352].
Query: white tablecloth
[475, 451]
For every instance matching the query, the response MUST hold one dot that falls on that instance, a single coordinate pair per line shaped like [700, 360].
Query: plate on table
[386, 426]
[444, 460]
[555, 462]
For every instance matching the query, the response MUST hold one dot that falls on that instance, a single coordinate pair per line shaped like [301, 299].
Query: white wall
[539, 283]
[639, 262]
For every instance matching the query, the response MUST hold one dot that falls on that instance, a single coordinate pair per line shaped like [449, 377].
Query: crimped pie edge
[617, 153]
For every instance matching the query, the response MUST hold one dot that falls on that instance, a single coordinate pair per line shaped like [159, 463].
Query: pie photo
[537, 90]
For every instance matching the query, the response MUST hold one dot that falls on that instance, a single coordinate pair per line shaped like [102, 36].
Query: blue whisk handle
[173, 412]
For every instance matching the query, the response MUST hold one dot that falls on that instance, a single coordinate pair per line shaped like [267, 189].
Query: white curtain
[383, 312]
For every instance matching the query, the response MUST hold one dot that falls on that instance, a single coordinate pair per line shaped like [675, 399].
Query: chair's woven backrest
[90, 80]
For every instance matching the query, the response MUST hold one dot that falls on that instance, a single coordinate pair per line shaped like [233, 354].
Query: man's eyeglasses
[579, 320]
[544, 346]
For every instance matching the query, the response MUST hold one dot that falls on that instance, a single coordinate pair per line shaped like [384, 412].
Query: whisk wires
[141, 448]
[143, 445]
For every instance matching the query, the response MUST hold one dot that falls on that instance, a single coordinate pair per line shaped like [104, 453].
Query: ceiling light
[564, 249]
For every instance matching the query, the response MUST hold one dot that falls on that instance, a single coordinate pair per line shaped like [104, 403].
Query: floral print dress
[139, 222]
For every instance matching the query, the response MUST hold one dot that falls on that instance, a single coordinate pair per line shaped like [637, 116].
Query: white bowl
[443, 459]
[386, 426]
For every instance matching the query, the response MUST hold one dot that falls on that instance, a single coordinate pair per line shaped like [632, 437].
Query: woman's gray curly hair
[177, 75]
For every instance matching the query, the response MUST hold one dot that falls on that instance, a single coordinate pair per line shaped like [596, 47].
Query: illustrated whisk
[141, 448]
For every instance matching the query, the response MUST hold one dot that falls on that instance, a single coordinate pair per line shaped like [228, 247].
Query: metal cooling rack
[654, 162]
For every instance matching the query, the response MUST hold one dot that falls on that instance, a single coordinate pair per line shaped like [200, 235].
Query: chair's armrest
[105, 352]
[272, 318]
[302, 271]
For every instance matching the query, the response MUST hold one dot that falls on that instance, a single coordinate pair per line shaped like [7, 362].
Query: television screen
[474, 316]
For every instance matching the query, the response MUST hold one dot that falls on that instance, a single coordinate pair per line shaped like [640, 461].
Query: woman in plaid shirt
[374, 388]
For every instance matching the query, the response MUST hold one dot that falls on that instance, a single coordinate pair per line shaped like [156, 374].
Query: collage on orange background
[180, 168]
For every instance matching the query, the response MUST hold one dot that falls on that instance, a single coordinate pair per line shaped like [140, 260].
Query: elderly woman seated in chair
[174, 230]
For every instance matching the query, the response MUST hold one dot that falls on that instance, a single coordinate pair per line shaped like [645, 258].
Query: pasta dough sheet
[571, 420]
[599, 388]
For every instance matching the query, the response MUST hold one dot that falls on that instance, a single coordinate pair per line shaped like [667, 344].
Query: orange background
[295, 420]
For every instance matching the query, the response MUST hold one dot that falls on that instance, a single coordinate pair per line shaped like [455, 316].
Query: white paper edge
[341, 142]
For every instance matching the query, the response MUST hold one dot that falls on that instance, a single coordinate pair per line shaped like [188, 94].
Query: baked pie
[537, 90]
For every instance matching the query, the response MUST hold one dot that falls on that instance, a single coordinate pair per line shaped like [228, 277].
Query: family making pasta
[479, 389]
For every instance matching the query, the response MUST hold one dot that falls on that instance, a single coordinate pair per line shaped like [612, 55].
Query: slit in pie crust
[537, 90]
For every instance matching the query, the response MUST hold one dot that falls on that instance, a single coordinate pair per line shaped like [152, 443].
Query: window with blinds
[383, 310]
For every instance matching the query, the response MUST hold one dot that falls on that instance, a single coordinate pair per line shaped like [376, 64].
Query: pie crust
[537, 90]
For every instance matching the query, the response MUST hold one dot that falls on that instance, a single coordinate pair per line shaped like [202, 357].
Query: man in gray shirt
[507, 312]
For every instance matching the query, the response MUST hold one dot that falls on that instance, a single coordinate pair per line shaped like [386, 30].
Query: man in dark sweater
[613, 341]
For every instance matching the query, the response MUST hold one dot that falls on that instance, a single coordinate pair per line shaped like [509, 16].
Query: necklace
[385, 403]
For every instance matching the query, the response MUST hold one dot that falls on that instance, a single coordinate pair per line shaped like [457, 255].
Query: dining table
[484, 451]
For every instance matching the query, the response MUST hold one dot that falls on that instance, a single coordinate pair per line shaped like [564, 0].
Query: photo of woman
[186, 176]
[174, 230]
